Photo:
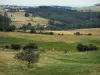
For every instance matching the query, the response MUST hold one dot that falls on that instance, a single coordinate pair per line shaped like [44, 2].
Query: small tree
[51, 33]
[29, 54]
[27, 14]
[77, 33]
[89, 34]
[24, 28]
[32, 30]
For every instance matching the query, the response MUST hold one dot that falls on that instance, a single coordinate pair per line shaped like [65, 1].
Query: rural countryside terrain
[49, 40]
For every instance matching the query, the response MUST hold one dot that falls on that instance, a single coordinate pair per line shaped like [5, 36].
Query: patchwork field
[54, 61]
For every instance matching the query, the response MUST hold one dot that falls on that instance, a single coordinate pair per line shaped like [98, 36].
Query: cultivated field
[54, 61]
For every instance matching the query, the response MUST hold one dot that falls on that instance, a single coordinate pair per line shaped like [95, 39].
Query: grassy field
[54, 61]
[49, 42]
[18, 19]
[93, 8]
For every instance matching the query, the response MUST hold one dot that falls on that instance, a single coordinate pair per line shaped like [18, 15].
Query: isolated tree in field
[29, 54]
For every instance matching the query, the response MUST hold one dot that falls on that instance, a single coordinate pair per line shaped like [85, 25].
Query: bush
[29, 54]
[77, 33]
[81, 47]
[32, 30]
[27, 14]
[30, 46]
[51, 33]
[89, 34]
[11, 28]
[16, 46]
[7, 46]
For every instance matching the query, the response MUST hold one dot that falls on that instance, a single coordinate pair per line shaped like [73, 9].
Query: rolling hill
[92, 8]
[58, 18]
[19, 19]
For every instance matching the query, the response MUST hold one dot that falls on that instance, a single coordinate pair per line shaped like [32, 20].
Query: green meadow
[54, 61]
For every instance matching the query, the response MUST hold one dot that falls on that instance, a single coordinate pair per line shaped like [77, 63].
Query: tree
[32, 30]
[29, 54]
[29, 26]
[24, 28]
[11, 28]
[27, 14]
[77, 33]
[4, 23]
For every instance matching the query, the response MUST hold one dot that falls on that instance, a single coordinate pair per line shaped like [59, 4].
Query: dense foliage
[4, 23]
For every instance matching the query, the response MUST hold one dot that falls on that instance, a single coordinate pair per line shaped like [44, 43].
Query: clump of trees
[81, 47]
[5, 24]
[30, 54]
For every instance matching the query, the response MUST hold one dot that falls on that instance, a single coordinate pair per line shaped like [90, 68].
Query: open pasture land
[86, 9]
[55, 42]
[54, 61]
[18, 19]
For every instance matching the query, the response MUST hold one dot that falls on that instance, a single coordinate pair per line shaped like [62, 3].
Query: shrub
[30, 46]
[16, 46]
[51, 33]
[7, 46]
[81, 47]
[32, 30]
[77, 33]
[27, 14]
[89, 34]
[29, 54]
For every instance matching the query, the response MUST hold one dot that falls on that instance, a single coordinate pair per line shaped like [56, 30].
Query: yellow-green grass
[1, 10]
[52, 63]
[94, 31]
[53, 42]
[18, 19]
[92, 8]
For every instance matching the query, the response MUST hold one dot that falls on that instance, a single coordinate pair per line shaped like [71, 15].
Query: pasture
[92, 8]
[54, 61]
[18, 19]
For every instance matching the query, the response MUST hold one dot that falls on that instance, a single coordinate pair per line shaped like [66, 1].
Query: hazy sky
[51, 2]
